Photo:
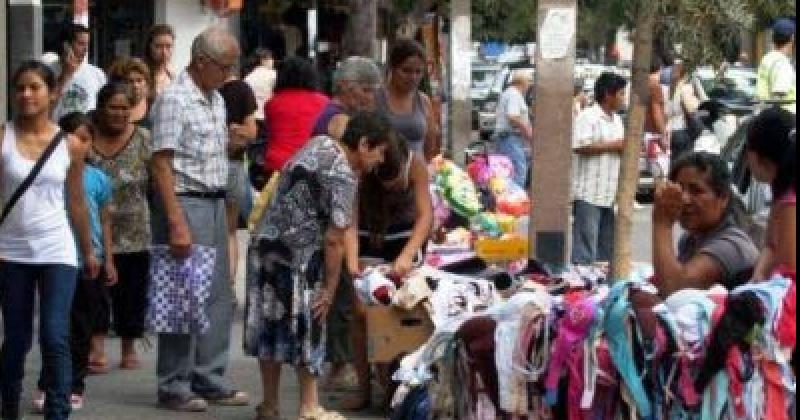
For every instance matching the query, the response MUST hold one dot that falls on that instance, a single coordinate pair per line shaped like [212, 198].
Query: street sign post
[552, 148]
[460, 126]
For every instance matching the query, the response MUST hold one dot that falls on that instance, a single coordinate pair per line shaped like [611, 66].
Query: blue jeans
[592, 233]
[513, 146]
[56, 285]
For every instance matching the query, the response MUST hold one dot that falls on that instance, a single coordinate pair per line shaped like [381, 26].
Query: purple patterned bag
[179, 290]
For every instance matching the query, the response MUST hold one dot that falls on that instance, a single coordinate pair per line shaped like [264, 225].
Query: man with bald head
[190, 170]
[513, 133]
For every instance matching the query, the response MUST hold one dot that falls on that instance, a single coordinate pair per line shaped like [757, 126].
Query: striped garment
[192, 125]
[595, 178]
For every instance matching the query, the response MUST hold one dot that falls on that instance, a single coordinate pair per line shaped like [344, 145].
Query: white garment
[511, 104]
[37, 231]
[595, 178]
[686, 96]
[262, 81]
[80, 93]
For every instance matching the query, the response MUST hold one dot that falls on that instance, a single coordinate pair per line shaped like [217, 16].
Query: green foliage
[703, 30]
[504, 20]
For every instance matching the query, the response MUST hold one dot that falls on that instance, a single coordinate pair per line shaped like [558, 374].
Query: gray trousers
[592, 233]
[191, 365]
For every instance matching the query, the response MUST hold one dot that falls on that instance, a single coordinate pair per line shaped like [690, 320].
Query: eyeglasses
[226, 68]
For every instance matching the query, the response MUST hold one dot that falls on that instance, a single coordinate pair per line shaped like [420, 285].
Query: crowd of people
[141, 157]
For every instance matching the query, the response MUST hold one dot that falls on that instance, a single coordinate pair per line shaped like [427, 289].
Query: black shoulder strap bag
[32, 175]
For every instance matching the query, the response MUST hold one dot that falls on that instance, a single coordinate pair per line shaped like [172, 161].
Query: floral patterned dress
[285, 261]
[130, 214]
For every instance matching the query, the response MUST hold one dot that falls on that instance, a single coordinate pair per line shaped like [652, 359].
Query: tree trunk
[362, 29]
[629, 172]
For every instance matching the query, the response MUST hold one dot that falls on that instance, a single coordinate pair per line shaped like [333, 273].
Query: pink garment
[734, 365]
[606, 399]
[789, 198]
[573, 328]
[576, 383]
[777, 404]
[786, 329]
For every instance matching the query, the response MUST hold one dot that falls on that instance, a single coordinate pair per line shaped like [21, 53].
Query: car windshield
[733, 85]
[483, 78]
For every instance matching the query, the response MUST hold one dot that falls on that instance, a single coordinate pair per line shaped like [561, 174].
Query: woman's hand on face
[668, 203]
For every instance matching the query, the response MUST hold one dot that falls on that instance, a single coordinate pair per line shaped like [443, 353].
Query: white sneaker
[37, 403]
[76, 402]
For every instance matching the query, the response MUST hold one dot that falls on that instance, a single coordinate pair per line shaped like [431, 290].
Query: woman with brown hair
[158, 55]
[409, 110]
[394, 223]
[123, 151]
[37, 250]
[135, 72]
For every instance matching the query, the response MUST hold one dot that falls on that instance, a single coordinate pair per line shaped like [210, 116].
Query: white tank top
[37, 231]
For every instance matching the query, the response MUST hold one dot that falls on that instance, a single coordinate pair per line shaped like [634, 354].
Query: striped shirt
[192, 125]
[595, 178]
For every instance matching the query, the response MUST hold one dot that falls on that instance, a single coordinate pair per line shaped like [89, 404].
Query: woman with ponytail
[772, 158]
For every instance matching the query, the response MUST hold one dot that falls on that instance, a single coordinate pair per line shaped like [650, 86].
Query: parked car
[486, 88]
[734, 84]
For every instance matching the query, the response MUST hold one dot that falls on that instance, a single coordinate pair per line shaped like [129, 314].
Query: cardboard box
[392, 331]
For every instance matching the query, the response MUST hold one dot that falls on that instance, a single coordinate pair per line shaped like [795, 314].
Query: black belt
[209, 195]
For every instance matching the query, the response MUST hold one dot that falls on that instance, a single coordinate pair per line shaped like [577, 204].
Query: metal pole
[3, 63]
[24, 31]
[552, 149]
[460, 126]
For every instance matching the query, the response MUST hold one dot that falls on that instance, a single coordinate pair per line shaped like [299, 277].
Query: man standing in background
[598, 143]
[513, 133]
[777, 80]
[78, 81]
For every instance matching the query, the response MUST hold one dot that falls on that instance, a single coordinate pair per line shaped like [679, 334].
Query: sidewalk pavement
[131, 395]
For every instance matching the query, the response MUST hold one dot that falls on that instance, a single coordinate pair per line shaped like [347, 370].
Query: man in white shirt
[78, 81]
[598, 143]
[513, 133]
[777, 79]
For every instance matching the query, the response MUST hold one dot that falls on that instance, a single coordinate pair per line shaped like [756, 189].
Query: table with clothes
[573, 346]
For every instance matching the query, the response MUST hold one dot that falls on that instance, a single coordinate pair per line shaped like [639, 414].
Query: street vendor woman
[713, 250]
[296, 256]
[395, 220]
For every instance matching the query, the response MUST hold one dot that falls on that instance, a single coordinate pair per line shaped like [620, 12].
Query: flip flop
[130, 364]
[98, 368]
[321, 414]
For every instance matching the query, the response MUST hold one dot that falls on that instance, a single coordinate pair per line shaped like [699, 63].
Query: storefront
[118, 26]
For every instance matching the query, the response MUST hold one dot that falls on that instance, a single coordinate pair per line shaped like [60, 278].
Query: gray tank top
[412, 126]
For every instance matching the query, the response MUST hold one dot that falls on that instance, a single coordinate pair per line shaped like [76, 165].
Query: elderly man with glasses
[190, 169]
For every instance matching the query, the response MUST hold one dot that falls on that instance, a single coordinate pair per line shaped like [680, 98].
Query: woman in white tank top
[37, 250]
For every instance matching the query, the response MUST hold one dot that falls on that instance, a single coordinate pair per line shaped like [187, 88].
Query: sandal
[98, 367]
[265, 413]
[130, 363]
[320, 414]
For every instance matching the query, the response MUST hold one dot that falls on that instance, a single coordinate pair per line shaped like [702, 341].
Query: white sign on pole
[557, 33]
